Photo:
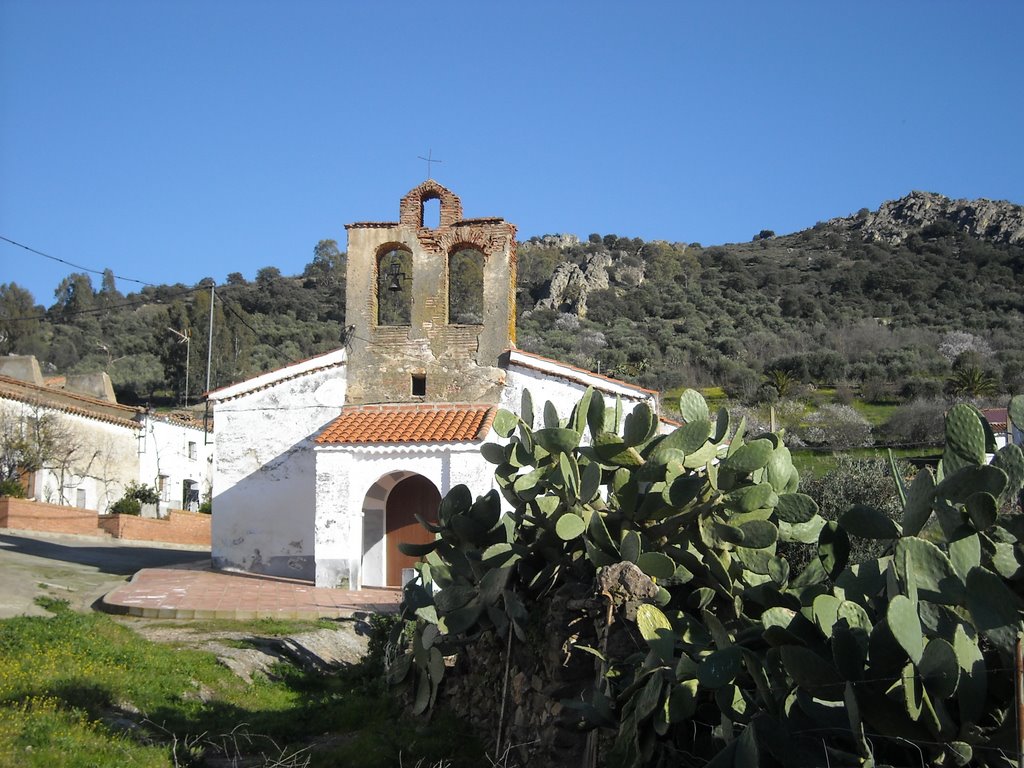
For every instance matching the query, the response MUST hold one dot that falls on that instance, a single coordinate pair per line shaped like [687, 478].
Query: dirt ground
[81, 569]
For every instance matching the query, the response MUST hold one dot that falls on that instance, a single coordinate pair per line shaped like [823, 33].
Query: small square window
[192, 452]
[419, 385]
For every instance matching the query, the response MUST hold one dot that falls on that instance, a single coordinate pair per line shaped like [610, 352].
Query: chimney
[23, 368]
[95, 385]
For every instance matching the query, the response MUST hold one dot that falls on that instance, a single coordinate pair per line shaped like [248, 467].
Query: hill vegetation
[920, 299]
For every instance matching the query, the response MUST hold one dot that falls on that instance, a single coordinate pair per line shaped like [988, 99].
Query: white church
[321, 465]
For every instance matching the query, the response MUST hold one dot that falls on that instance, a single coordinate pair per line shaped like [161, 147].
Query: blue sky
[171, 141]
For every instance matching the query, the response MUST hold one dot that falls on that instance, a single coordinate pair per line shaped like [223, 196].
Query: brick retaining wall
[179, 528]
[37, 516]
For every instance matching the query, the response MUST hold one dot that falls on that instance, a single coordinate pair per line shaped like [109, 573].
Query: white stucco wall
[285, 506]
[564, 392]
[352, 483]
[101, 458]
[264, 492]
[164, 450]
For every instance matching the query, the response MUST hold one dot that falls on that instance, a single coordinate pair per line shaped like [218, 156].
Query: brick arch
[448, 241]
[464, 281]
[380, 300]
[384, 250]
[410, 210]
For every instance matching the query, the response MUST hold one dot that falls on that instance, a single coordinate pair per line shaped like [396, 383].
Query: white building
[176, 458]
[100, 445]
[321, 466]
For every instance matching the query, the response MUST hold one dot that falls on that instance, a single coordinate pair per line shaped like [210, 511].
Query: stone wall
[460, 363]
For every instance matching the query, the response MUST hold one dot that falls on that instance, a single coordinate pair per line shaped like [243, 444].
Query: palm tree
[971, 381]
[782, 380]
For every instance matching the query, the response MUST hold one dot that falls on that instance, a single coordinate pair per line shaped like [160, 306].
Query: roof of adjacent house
[332, 359]
[69, 402]
[405, 423]
[996, 418]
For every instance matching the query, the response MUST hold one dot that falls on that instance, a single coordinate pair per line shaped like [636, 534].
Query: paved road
[79, 569]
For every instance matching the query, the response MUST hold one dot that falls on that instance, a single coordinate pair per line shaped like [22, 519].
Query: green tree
[971, 381]
[21, 332]
[782, 381]
[74, 295]
[328, 265]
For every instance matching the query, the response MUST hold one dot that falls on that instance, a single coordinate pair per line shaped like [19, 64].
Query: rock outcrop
[570, 284]
[556, 241]
[994, 220]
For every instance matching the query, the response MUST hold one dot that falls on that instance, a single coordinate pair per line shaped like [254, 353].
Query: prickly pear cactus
[900, 660]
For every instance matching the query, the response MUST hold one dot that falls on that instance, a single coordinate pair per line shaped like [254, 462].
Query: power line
[59, 315]
[245, 322]
[76, 266]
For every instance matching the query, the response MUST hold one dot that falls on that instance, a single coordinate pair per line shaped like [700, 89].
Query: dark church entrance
[413, 495]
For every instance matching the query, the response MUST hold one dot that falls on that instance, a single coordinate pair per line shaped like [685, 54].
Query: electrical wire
[244, 322]
[60, 315]
[76, 266]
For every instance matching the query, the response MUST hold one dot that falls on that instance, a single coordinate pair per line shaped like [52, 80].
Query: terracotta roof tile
[403, 423]
[69, 402]
[996, 418]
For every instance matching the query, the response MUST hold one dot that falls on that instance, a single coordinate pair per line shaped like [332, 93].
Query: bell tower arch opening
[430, 212]
[466, 286]
[394, 286]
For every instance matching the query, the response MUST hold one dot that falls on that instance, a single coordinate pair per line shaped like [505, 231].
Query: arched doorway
[415, 494]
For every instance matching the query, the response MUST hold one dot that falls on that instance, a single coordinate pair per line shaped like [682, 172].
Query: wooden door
[412, 495]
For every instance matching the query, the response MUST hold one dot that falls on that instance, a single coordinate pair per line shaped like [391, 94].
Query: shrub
[135, 495]
[126, 506]
[919, 421]
[837, 426]
[144, 493]
[12, 488]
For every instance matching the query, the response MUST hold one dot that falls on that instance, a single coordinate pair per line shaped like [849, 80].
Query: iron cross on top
[430, 160]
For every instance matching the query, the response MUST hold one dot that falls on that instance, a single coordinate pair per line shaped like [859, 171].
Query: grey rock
[994, 220]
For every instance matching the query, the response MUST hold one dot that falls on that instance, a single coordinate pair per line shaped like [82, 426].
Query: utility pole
[209, 359]
[186, 339]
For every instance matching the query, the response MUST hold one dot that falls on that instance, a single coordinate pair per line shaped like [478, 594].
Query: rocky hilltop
[993, 220]
[577, 270]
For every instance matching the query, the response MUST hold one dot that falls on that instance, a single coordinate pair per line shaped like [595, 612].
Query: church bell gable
[431, 309]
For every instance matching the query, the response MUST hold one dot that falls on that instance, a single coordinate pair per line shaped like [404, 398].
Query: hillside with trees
[921, 299]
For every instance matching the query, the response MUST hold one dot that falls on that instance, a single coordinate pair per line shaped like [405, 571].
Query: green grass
[876, 413]
[817, 463]
[71, 683]
[262, 627]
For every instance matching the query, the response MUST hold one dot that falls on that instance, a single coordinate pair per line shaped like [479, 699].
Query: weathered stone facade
[454, 363]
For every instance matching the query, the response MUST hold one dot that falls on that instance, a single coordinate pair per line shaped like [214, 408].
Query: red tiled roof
[69, 402]
[405, 423]
[996, 418]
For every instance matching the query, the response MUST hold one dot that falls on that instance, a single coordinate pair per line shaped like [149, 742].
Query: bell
[395, 284]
